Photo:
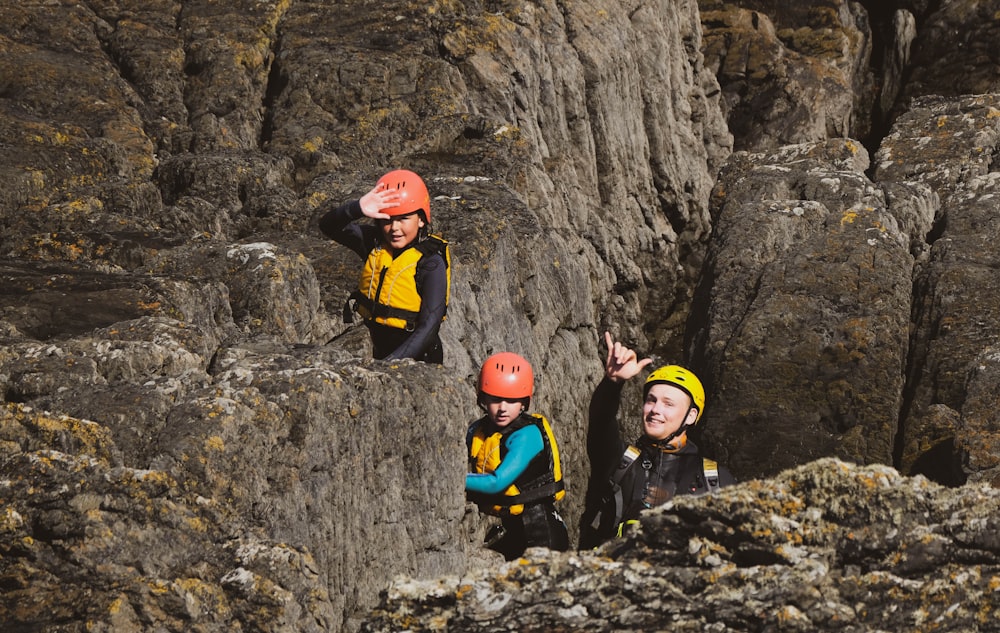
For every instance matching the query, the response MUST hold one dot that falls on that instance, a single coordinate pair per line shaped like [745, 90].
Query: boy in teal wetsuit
[515, 472]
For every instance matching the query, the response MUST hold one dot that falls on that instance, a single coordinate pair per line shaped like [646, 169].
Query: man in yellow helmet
[625, 479]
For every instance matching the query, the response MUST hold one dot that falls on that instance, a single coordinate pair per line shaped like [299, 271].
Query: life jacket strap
[437, 244]
[711, 469]
[357, 301]
[532, 495]
[545, 492]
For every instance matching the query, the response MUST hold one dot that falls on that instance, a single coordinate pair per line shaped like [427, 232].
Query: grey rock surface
[828, 546]
[801, 73]
[955, 51]
[779, 357]
[191, 439]
[952, 146]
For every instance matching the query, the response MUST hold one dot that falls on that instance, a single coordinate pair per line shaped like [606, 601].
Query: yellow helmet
[681, 378]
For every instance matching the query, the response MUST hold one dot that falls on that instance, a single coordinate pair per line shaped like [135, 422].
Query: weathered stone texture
[791, 74]
[78, 526]
[955, 52]
[828, 546]
[951, 145]
[278, 443]
[192, 439]
[807, 304]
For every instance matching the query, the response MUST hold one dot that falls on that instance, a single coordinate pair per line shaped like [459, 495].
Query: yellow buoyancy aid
[486, 453]
[387, 291]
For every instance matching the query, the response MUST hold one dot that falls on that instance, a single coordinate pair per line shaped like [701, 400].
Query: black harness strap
[709, 467]
[380, 311]
[628, 458]
[531, 495]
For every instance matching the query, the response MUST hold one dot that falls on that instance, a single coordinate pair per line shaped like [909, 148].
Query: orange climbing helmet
[412, 191]
[506, 375]
[683, 379]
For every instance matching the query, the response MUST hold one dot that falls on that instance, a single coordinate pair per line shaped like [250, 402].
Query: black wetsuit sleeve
[431, 279]
[604, 439]
[339, 225]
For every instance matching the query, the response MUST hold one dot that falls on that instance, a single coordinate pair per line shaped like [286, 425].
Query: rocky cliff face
[192, 439]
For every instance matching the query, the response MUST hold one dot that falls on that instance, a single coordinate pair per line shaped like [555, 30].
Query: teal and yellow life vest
[387, 291]
[542, 480]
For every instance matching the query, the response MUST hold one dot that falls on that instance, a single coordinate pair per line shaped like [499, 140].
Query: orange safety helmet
[412, 191]
[506, 375]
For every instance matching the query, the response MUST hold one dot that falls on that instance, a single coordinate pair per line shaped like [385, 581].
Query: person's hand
[622, 362]
[377, 199]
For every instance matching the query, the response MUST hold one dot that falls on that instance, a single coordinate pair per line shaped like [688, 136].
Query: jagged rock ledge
[826, 546]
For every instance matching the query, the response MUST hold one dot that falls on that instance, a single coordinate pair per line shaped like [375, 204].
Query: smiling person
[514, 466]
[403, 291]
[626, 479]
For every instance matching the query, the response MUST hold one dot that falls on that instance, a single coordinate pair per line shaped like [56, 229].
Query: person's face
[400, 230]
[501, 411]
[665, 410]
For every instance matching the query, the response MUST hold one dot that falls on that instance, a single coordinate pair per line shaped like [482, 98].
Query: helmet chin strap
[665, 444]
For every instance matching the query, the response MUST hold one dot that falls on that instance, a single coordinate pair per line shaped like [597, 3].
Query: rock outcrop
[800, 74]
[779, 357]
[191, 438]
[828, 546]
[951, 147]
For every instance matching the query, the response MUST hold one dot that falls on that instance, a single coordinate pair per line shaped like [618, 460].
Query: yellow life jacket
[541, 482]
[387, 291]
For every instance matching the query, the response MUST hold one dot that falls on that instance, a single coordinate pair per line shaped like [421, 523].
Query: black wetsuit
[423, 342]
[653, 478]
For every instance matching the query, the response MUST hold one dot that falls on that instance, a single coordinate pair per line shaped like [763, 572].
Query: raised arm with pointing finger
[627, 478]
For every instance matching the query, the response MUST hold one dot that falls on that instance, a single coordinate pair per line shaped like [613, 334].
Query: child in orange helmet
[515, 472]
[624, 478]
[402, 294]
